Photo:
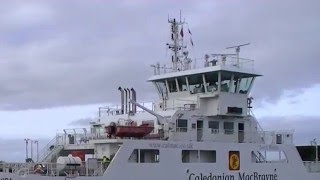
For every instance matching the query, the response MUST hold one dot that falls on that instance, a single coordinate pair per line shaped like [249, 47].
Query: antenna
[237, 51]
[223, 54]
[177, 42]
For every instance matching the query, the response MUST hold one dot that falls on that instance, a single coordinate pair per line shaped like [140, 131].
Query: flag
[191, 41]
[189, 31]
[181, 32]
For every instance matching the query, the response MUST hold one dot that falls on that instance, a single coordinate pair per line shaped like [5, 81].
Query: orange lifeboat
[129, 130]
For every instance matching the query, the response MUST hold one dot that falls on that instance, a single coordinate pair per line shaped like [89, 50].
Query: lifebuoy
[37, 169]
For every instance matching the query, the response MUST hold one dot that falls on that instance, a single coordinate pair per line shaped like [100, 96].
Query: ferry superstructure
[201, 128]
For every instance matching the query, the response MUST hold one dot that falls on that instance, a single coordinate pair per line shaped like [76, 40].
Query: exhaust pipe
[126, 100]
[122, 99]
[129, 97]
[134, 98]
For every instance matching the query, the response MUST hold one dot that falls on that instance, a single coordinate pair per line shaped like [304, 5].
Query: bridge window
[244, 85]
[241, 85]
[233, 85]
[172, 85]
[182, 83]
[182, 125]
[225, 85]
[196, 83]
[225, 81]
[161, 86]
[212, 81]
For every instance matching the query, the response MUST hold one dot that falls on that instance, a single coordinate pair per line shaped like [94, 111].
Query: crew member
[105, 162]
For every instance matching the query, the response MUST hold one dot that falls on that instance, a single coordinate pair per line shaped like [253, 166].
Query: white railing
[81, 138]
[255, 119]
[12, 167]
[229, 61]
[50, 169]
[243, 63]
[259, 157]
[54, 144]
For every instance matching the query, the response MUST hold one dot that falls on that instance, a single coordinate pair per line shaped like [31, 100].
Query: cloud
[297, 102]
[283, 37]
[79, 52]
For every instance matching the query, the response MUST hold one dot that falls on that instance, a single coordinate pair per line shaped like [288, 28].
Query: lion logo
[234, 160]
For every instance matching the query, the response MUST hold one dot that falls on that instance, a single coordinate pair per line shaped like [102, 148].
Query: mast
[176, 45]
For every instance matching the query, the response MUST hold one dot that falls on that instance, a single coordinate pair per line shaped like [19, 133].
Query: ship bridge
[219, 87]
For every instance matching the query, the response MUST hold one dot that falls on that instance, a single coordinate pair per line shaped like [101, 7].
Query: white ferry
[201, 128]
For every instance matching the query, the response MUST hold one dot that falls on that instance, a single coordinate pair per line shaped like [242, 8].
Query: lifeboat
[129, 130]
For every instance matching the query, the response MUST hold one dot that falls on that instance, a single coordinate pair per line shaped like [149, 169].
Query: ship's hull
[171, 166]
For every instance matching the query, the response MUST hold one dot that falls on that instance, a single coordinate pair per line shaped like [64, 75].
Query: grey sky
[15, 149]
[56, 53]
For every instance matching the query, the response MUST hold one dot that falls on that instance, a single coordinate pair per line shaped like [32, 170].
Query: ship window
[234, 110]
[226, 82]
[225, 86]
[134, 156]
[245, 83]
[182, 84]
[144, 156]
[189, 156]
[233, 85]
[149, 155]
[172, 85]
[207, 156]
[161, 86]
[212, 81]
[196, 84]
[196, 156]
[214, 126]
[182, 125]
[228, 127]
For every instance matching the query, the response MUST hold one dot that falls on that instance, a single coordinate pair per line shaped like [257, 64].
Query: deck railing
[50, 169]
[52, 146]
[229, 61]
